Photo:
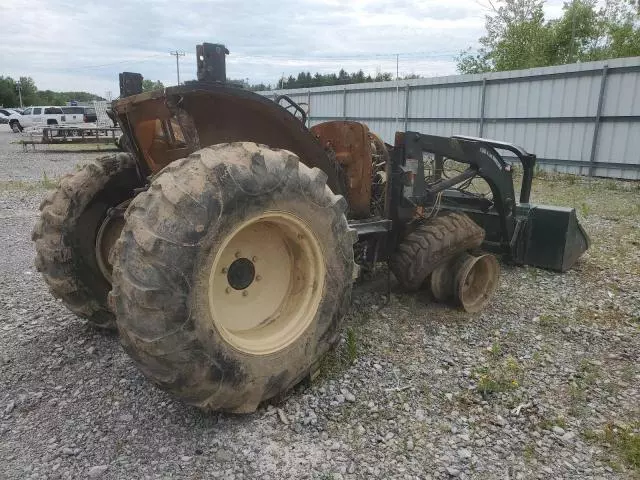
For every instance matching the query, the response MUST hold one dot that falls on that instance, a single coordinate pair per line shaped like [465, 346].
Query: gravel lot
[545, 383]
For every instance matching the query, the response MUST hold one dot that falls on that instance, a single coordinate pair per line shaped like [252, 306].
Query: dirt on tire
[432, 243]
[163, 262]
[65, 234]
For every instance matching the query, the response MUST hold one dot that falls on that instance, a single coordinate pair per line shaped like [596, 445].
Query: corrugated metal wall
[578, 118]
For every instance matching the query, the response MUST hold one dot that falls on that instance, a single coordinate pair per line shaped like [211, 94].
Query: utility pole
[573, 30]
[397, 90]
[177, 54]
[19, 88]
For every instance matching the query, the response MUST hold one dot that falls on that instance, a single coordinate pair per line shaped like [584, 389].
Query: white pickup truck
[40, 117]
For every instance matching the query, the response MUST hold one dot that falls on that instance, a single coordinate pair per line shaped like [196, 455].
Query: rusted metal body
[351, 145]
[166, 125]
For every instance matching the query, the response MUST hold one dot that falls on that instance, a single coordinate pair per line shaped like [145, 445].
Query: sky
[82, 45]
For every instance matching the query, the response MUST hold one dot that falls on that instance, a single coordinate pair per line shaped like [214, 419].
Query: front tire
[232, 275]
[431, 244]
[71, 219]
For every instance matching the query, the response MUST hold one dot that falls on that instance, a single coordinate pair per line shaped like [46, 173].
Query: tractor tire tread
[60, 213]
[431, 244]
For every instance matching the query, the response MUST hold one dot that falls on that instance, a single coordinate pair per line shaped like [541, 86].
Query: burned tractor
[224, 243]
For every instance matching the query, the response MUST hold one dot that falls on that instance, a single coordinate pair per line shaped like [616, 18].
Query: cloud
[72, 45]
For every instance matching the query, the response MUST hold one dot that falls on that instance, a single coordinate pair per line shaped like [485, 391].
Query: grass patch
[28, 186]
[352, 345]
[343, 355]
[622, 441]
[549, 423]
[529, 452]
[48, 183]
[498, 377]
[552, 323]
[495, 350]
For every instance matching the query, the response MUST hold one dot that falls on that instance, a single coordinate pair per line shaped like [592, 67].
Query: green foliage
[148, 85]
[8, 92]
[623, 440]
[518, 36]
[352, 345]
[498, 377]
[32, 96]
[306, 80]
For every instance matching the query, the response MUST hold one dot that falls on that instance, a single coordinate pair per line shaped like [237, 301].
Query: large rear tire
[232, 275]
[72, 218]
[431, 244]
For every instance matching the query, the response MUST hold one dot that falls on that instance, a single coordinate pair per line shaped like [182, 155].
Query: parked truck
[42, 116]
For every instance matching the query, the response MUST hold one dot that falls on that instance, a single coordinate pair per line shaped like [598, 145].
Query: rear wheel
[232, 275]
[78, 226]
[15, 126]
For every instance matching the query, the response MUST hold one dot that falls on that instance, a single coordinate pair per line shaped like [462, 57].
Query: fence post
[406, 108]
[344, 103]
[596, 125]
[309, 108]
[482, 95]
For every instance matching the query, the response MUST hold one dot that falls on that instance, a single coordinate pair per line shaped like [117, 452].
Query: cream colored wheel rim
[266, 283]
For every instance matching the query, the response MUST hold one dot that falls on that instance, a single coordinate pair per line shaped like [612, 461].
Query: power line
[178, 54]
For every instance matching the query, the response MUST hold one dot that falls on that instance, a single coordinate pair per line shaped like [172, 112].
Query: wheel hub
[108, 233]
[266, 283]
[241, 274]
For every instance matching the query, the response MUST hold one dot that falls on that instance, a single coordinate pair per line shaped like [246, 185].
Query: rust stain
[350, 143]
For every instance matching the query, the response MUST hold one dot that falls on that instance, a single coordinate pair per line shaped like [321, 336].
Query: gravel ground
[543, 384]
[43, 163]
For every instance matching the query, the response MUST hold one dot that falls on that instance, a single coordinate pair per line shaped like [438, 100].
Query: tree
[8, 92]
[148, 85]
[518, 36]
[32, 96]
[29, 91]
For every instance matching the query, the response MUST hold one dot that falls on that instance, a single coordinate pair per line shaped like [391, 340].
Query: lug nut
[227, 290]
[245, 293]
[238, 254]
[224, 269]
[258, 278]
[254, 259]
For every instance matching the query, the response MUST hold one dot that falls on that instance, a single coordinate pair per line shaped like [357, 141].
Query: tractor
[224, 242]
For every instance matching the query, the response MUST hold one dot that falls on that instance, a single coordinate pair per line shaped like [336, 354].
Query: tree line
[9, 96]
[307, 80]
[518, 35]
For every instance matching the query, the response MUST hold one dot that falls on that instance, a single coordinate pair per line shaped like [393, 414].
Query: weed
[622, 440]
[626, 442]
[549, 423]
[352, 345]
[495, 350]
[48, 183]
[585, 209]
[341, 357]
[529, 452]
[325, 476]
[588, 372]
[500, 377]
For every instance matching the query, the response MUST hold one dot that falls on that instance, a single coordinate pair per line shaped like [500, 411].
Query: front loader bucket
[551, 238]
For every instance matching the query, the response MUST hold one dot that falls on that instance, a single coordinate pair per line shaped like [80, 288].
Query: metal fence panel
[580, 118]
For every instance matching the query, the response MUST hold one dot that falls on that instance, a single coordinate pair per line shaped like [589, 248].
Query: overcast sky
[84, 44]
